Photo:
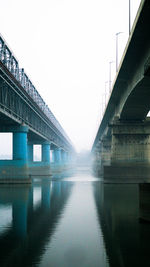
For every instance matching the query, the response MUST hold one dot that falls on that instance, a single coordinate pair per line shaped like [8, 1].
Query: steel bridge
[24, 112]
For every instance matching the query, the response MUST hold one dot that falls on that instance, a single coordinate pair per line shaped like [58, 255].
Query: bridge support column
[16, 170]
[102, 155]
[20, 143]
[30, 152]
[64, 157]
[53, 156]
[40, 167]
[96, 159]
[57, 156]
[46, 152]
[130, 143]
[57, 160]
[105, 151]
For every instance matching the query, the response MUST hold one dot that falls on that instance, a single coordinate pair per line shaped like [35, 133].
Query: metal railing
[8, 59]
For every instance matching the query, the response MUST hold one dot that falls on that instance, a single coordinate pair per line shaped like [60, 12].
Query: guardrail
[8, 59]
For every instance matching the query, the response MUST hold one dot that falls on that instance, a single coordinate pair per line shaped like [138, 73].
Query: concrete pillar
[57, 155]
[105, 150]
[40, 167]
[53, 156]
[64, 156]
[20, 143]
[46, 152]
[30, 152]
[96, 163]
[16, 170]
[69, 158]
[130, 143]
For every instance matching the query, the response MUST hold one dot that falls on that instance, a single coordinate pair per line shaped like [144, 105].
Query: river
[74, 221]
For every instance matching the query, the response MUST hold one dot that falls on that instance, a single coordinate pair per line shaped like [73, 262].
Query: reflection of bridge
[126, 240]
[23, 243]
[24, 113]
[123, 136]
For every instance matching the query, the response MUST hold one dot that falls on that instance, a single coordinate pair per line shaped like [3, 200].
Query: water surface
[74, 221]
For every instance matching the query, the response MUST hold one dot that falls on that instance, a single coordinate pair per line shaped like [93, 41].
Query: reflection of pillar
[46, 151]
[46, 194]
[144, 202]
[19, 211]
[30, 152]
[30, 201]
[20, 143]
[56, 189]
[20, 218]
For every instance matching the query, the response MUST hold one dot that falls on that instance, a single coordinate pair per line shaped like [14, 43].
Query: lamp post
[102, 106]
[110, 75]
[129, 16]
[105, 92]
[117, 50]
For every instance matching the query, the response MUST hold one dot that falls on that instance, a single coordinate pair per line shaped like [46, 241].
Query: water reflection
[5, 217]
[77, 240]
[74, 221]
[51, 223]
[120, 209]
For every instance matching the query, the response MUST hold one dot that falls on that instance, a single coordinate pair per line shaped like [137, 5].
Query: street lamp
[129, 16]
[105, 92]
[110, 75]
[117, 50]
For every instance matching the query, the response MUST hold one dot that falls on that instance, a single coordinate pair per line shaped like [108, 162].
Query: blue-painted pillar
[20, 143]
[53, 156]
[57, 155]
[64, 159]
[46, 152]
[30, 152]
[67, 157]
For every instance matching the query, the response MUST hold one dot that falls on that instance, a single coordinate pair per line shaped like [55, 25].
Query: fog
[65, 48]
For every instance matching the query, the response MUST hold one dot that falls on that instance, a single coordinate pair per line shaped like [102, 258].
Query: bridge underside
[137, 104]
[28, 128]
[123, 138]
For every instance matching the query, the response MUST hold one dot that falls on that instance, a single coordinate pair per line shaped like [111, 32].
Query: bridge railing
[8, 59]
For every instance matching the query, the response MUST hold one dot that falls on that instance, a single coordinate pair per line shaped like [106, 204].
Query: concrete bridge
[123, 136]
[24, 113]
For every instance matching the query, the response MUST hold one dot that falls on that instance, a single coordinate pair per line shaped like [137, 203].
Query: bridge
[24, 113]
[123, 137]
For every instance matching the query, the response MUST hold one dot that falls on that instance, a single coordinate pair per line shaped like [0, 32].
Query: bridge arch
[137, 104]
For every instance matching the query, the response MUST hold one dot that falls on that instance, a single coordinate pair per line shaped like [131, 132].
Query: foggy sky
[65, 47]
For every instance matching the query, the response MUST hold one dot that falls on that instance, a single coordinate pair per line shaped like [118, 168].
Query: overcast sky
[65, 47]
